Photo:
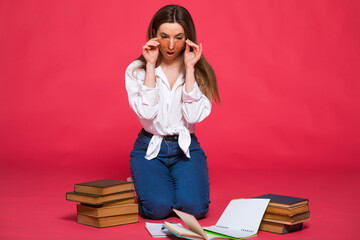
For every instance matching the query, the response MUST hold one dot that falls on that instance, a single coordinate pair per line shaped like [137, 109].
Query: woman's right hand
[150, 51]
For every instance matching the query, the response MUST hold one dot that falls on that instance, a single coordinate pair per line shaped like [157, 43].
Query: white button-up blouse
[164, 111]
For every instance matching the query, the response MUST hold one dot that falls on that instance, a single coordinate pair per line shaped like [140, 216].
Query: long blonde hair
[204, 73]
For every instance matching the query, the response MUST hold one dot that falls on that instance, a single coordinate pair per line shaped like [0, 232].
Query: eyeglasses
[176, 41]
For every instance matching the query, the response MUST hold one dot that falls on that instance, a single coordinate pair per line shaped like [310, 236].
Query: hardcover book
[287, 222]
[284, 201]
[103, 187]
[302, 217]
[112, 203]
[279, 228]
[98, 199]
[288, 211]
[107, 221]
[108, 211]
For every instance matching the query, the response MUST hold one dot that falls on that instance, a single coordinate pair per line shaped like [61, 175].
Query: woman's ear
[154, 33]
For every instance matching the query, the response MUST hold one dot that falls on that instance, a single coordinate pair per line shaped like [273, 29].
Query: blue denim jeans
[171, 180]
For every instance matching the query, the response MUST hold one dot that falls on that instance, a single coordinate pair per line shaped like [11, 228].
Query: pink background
[288, 74]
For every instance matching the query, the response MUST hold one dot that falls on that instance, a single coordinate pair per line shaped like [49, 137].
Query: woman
[170, 87]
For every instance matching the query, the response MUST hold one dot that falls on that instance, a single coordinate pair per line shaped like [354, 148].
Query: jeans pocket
[195, 147]
[142, 142]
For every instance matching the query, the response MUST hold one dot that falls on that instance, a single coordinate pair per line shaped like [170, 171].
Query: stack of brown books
[104, 203]
[284, 214]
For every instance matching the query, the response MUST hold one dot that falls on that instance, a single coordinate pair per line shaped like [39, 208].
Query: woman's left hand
[191, 58]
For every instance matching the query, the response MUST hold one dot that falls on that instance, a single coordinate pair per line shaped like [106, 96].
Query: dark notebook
[284, 201]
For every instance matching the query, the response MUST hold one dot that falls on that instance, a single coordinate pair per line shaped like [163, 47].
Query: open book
[157, 230]
[241, 219]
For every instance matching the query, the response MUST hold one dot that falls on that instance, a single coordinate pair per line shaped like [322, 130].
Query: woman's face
[171, 37]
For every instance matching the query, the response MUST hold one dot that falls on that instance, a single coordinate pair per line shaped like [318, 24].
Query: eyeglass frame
[175, 41]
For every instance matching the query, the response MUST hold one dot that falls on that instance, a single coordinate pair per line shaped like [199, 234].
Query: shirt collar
[160, 73]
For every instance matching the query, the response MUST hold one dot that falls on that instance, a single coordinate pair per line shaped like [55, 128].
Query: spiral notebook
[241, 218]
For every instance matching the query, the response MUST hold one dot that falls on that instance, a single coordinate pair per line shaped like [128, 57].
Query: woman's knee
[155, 208]
[196, 208]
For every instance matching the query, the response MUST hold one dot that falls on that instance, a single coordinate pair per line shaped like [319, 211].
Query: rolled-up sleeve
[143, 100]
[196, 106]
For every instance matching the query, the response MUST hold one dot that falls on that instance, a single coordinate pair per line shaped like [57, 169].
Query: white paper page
[191, 222]
[184, 232]
[156, 230]
[241, 218]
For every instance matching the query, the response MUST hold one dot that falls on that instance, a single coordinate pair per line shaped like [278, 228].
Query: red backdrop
[288, 74]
